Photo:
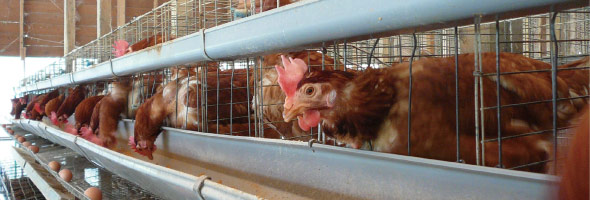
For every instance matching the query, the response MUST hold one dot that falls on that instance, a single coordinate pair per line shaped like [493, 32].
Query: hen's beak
[289, 115]
[292, 110]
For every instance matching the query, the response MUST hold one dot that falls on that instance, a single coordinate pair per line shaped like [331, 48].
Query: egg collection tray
[85, 173]
[159, 180]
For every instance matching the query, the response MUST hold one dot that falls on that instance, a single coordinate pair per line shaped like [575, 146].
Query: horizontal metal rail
[46, 183]
[162, 181]
[304, 24]
[308, 170]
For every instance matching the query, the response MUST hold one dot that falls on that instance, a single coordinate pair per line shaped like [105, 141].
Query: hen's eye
[309, 91]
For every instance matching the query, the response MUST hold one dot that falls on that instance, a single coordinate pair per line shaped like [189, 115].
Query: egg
[54, 166]
[93, 193]
[21, 139]
[66, 175]
[26, 144]
[34, 149]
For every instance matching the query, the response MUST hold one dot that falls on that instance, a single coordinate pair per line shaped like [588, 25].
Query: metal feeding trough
[276, 169]
[162, 181]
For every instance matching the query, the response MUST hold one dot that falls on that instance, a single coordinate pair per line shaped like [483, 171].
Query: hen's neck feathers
[363, 101]
[119, 93]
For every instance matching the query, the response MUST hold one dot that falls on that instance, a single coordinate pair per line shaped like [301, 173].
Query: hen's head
[63, 118]
[310, 94]
[143, 147]
[38, 108]
[53, 118]
[121, 48]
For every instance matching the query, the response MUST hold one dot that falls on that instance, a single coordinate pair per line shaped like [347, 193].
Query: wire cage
[15, 183]
[241, 96]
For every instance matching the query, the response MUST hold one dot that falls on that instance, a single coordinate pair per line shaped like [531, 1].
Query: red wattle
[310, 118]
[302, 124]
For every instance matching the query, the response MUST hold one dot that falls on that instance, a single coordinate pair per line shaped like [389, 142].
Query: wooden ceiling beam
[120, 12]
[43, 24]
[69, 25]
[21, 35]
[103, 17]
[69, 30]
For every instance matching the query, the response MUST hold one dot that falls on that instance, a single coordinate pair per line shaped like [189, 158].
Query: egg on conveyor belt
[54, 166]
[93, 193]
[66, 175]
[34, 149]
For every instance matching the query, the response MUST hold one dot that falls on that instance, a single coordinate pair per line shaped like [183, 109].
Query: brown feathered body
[20, 106]
[577, 80]
[186, 113]
[71, 103]
[243, 129]
[84, 111]
[30, 111]
[370, 109]
[54, 104]
[575, 179]
[149, 42]
[40, 106]
[108, 111]
[272, 97]
[148, 123]
[33, 101]
[14, 102]
[143, 88]
[231, 107]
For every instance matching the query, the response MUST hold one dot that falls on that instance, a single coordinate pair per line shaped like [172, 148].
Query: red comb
[290, 76]
[120, 47]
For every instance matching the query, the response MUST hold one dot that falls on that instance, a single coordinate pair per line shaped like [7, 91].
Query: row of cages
[242, 97]
[15, 182]
[177, 18]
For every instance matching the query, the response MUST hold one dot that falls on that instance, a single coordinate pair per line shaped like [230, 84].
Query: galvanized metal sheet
[157, 179]
[319, 171]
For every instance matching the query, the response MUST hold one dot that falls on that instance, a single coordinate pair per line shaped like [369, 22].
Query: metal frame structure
[251, 36]
[367, 174]
[207, 35]
[162, 181]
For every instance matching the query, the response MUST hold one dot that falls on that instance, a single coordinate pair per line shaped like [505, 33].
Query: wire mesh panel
[85, 173]
[15, 182]
[512, 86]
